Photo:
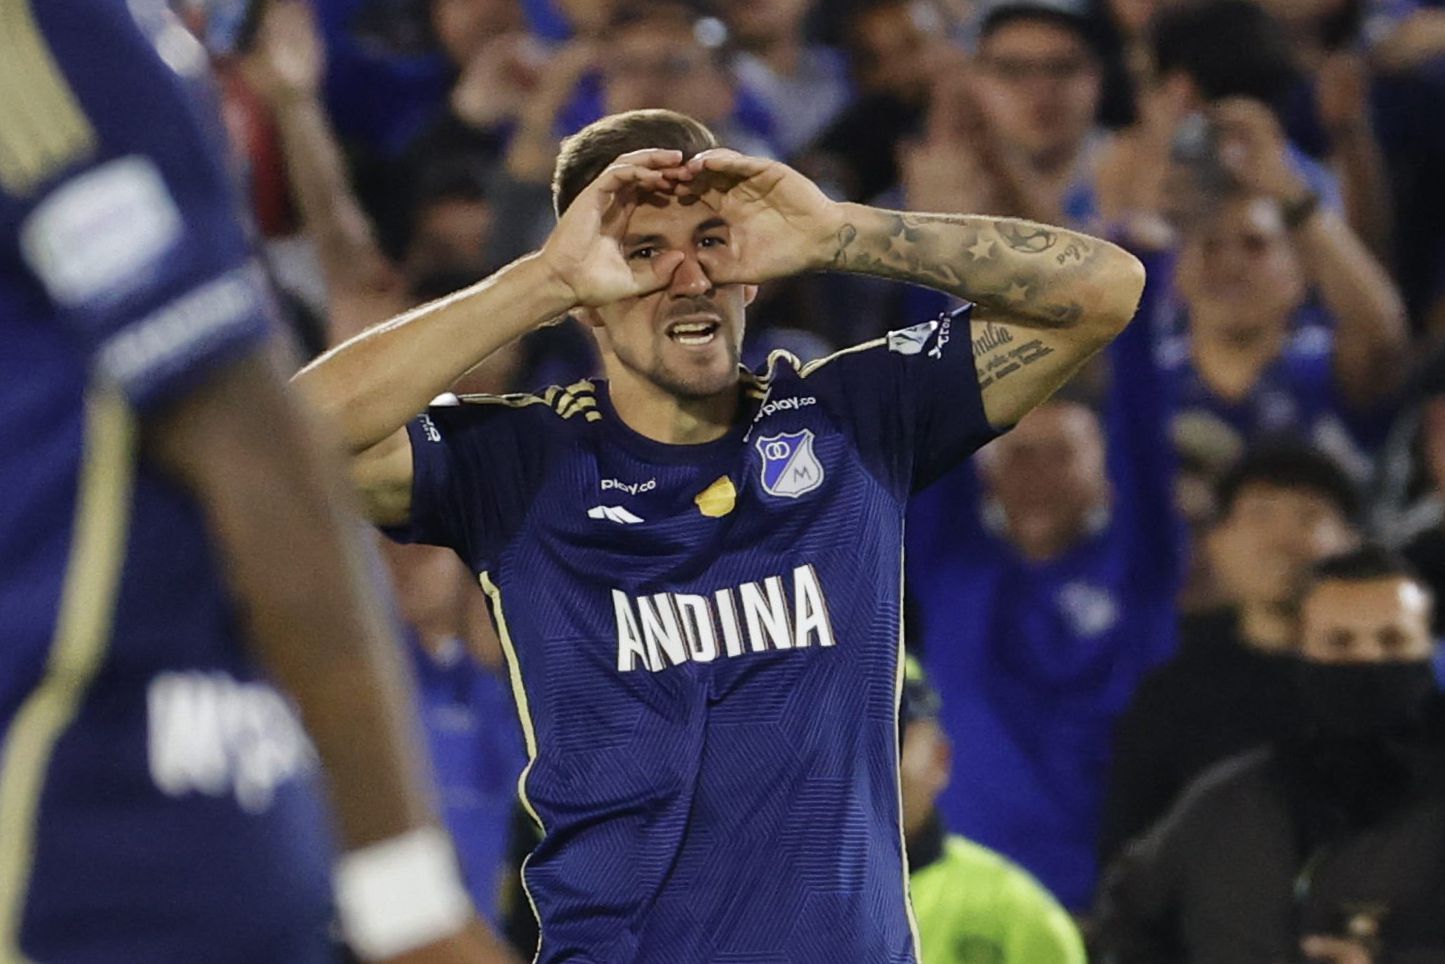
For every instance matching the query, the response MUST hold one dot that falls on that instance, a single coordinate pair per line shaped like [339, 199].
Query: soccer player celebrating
[696, 569]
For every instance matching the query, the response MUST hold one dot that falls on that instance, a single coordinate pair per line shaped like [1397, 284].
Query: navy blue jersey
[704, 646]
[156, 797]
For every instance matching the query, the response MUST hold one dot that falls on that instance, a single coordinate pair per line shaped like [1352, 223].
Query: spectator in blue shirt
[1045, 583]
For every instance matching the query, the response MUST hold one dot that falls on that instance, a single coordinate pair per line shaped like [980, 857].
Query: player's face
[1039, 86]
[1262, 548]
[685, 339]
[1367, 621]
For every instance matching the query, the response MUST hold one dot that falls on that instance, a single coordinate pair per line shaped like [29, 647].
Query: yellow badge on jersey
[718, 499]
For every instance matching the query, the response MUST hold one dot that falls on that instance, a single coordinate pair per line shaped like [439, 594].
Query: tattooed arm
[1047, 298]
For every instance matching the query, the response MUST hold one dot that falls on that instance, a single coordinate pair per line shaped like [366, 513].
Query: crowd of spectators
[1137, 606]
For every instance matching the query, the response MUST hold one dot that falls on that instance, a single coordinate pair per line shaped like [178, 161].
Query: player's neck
[655, 413]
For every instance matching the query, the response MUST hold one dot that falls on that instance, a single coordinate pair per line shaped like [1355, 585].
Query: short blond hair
[590, 151]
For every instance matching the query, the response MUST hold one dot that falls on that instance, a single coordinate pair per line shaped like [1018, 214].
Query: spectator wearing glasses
[1013, 133]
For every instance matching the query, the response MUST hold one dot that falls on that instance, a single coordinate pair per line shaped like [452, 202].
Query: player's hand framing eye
[781, 222]
[584, 251]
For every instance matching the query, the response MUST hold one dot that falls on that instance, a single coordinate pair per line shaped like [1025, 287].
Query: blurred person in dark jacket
[1280, 510]
[1328, 844]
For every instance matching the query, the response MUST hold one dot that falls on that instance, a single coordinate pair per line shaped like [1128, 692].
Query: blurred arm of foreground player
[276, 508]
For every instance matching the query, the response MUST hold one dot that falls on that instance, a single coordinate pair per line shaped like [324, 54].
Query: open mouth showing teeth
[693, 332]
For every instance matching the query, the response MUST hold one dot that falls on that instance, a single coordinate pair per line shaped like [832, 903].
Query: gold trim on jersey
[818, 363]
[82, 633]
[755, 386]
[529, 733]
[898, 754]
[42, 126]
[579, 398]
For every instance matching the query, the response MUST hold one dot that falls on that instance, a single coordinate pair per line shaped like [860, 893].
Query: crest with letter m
[790, 466]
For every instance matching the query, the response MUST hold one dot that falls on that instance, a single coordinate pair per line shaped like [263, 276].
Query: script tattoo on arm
[1000, 364]
[1033, 273]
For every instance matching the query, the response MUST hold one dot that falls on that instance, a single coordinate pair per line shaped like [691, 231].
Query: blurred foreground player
[696, 569]
[158, 799]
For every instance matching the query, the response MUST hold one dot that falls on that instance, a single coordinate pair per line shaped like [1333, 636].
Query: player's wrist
[401, 894]
[830, 225]
[548, 284]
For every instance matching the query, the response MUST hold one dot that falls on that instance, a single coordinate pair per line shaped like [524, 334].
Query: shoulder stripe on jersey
[529, 732]
[576, 399]
[82, 634]
[818, 363]
[42, 126]
[755, 386]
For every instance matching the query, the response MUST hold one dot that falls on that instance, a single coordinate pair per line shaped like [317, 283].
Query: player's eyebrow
[710, 224]
[633, 240]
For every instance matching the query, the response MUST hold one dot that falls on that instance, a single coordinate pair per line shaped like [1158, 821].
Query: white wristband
[400, 894]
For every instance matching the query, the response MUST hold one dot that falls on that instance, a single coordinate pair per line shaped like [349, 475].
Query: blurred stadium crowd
[1111, 602]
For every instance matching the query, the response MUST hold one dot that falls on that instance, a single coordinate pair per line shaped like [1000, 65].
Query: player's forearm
[372, 384]
[1371, 338]
[1036, 274]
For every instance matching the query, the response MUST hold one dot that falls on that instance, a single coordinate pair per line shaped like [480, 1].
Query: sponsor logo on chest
[667, 629]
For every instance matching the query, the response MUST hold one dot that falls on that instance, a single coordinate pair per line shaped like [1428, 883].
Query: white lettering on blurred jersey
[213, 735]
[667, 629]
[102, 234]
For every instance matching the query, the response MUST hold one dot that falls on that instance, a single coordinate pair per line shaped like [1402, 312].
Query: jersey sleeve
[477, 464]
[912, 399]
[115, 194]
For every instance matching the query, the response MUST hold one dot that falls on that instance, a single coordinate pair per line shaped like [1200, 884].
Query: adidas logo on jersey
[670, 628]
[615, 513]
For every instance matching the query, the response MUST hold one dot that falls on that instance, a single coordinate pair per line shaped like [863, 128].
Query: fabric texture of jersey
[156, 797]
[705, 643]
